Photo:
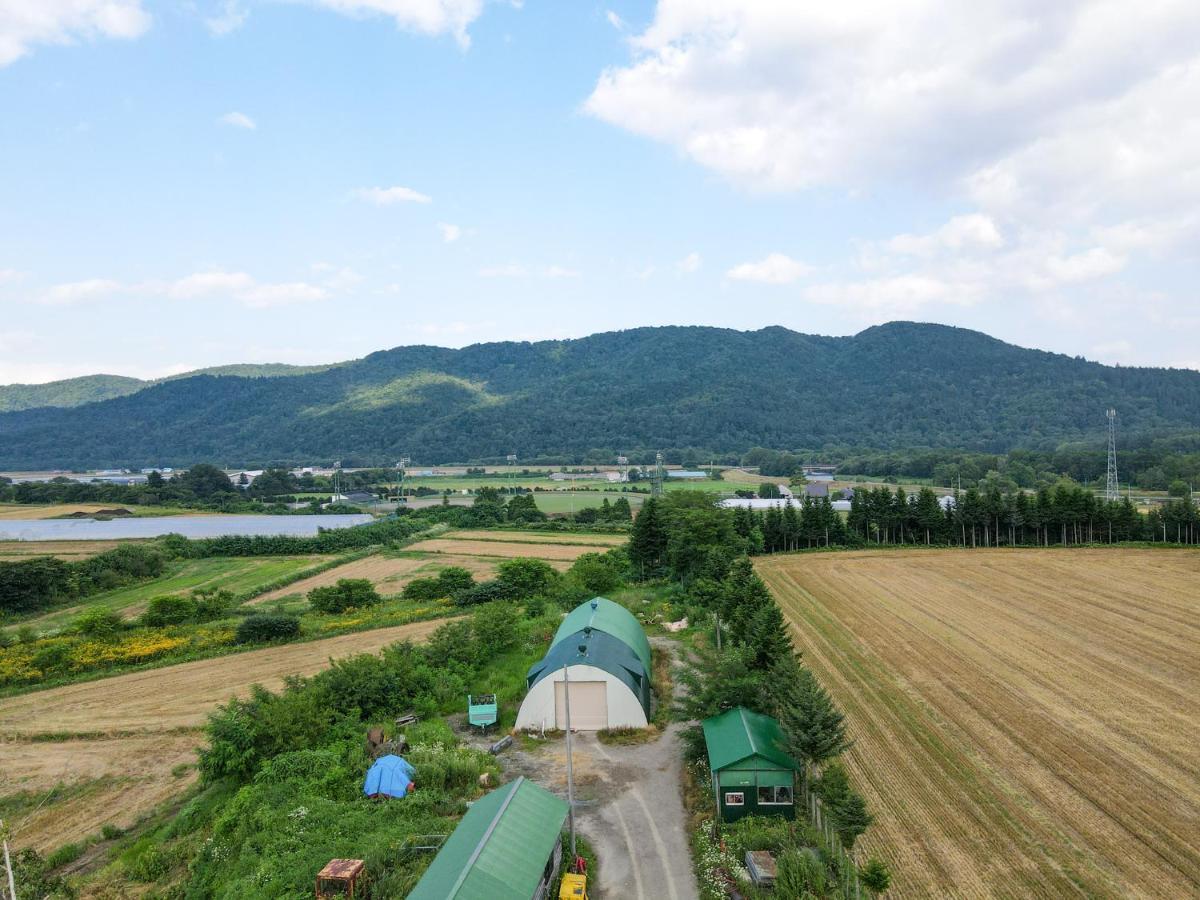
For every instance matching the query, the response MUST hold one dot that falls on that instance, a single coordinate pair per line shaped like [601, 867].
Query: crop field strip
[1024, 721]
[134, 729]
[71, 551]
[538, 537]
[551, 553]
[235, 574]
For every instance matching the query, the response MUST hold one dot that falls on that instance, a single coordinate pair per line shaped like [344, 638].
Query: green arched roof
[601, 614]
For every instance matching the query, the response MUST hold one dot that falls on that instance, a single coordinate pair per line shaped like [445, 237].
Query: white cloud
[80, 291]
[238, 120]
[431, 17]
[974, 231]
[239, 286]
[229, 17]
[776, 268]
[511, 270]
[517, 270]
[614, 20]
[450, 233]
[690, 263]
[10, 276]
[381, 196]
[28, 23]
[244, 288]
[1086, 266]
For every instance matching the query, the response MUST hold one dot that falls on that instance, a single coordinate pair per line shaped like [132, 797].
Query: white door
[589, 705]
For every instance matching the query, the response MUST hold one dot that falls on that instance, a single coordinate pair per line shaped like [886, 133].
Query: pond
[188, 526]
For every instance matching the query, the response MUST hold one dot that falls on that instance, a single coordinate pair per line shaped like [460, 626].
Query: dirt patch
[379, 570]
[508, 550]
[181, 696]
[97, 782]
[538, 537]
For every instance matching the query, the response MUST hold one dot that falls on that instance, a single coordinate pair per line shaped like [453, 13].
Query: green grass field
[236, 574]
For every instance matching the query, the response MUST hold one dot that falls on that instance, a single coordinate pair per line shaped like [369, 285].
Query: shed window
[735, 798]
[775, 796]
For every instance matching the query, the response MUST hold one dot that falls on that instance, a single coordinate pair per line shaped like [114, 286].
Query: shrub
[423, 589]
[486, 592]
[98, 623]
[348, 593]
[496, 626]
[267, 627]
[173, 609]
[453, 580]
[875, 875]
[526, 577]
[597, 573]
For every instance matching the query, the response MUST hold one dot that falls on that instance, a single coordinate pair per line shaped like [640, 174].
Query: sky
[201, 182]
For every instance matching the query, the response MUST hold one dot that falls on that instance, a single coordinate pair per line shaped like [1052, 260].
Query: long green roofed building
[507, 847]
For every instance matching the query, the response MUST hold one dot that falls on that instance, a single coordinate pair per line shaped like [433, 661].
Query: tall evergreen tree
[648, 541]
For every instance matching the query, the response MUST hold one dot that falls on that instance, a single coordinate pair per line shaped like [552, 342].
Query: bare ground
[550, 552]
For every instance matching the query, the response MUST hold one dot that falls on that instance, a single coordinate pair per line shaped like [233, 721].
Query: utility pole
[1112, 487]
[570, 768]
[12, 887]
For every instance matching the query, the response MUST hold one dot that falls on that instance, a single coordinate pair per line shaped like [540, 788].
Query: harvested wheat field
[181, 696]
[89, 783]
[68, 550]
[551, 553]
[1025, 721]
[538, 537]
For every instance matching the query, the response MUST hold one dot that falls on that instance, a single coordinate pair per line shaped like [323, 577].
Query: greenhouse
[601, 655]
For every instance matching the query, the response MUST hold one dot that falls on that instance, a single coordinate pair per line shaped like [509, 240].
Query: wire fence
[847, 869]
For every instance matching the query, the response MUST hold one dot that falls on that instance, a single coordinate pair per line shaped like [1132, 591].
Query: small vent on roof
[587, 631]
[583, 649]
[595, 604]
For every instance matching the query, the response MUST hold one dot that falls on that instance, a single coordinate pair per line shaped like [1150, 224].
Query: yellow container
[574, 887]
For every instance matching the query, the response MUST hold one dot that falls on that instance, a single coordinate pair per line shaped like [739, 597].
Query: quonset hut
[606, 657]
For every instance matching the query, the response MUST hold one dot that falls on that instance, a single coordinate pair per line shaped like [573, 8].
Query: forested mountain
[94, 388]
[896, 385]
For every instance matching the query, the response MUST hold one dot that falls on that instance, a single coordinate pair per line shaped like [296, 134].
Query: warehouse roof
[601, 650]
[499, 849]
[601, 614]
[738, 734]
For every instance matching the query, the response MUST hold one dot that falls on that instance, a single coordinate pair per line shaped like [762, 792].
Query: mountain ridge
[902, 384]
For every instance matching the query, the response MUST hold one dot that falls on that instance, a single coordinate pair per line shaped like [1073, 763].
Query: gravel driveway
[627, 805]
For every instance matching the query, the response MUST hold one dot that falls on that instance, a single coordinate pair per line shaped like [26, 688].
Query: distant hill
[94, 388]
[897, 385]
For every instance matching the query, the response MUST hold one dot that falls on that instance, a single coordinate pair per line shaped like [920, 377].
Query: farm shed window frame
[735, 798]
[775, 795]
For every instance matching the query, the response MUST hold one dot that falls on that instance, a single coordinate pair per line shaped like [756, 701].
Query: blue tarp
[390, 776]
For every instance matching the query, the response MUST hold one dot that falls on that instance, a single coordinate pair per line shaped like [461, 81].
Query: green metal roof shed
[752, 773]
[601, 614]
[506, 847]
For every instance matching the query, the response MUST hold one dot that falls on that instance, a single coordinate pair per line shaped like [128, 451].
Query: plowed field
[1025, 721]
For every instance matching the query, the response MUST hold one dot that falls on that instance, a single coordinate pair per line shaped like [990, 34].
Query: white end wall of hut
[624, 708]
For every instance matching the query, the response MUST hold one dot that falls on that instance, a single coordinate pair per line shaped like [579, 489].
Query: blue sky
[196, 183]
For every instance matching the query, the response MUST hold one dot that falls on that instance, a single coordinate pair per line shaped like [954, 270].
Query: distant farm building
[817, 488]
[602, 652]
[587, 476]
[761, 503]
[824, 471]
[752, 774]
[819, 476]
[507, 847]
[686, 473]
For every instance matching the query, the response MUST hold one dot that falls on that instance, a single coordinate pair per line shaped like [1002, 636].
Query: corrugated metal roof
[602, 614]
[499, 849]
[738, 734]
[602, 651]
